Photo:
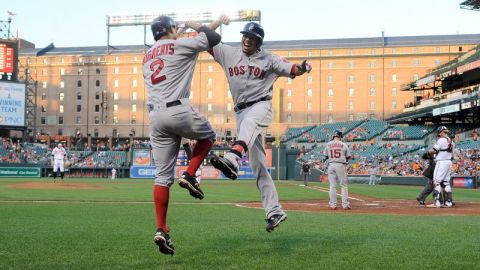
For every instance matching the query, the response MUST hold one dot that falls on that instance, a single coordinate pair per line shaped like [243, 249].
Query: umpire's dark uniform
[305, 171]
[428, 173]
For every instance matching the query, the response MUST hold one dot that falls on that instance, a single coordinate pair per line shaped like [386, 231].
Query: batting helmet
[256, 30]
[338, 134]
[161, 25]
[440, 129]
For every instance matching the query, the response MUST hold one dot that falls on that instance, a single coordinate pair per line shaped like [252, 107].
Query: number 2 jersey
[337, 151]
[168, 67]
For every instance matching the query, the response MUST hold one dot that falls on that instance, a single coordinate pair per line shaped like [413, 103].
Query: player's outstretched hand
[304, 67]
[224, 19]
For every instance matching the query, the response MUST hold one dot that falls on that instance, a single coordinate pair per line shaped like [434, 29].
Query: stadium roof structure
[370, 42]
[471, 4]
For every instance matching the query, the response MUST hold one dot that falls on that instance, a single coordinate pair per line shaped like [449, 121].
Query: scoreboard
[8, 60]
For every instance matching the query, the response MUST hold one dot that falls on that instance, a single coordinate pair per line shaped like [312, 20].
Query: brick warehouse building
[91, 91]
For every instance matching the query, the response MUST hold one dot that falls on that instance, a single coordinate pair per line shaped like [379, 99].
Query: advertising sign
[12, 104]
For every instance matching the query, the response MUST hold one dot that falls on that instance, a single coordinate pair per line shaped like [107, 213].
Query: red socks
[161, 196]
[200, 151]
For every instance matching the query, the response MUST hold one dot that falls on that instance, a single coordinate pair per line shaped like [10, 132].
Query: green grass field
[112, 228]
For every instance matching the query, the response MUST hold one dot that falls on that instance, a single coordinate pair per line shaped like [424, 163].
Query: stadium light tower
[471, 5]
[201, 17]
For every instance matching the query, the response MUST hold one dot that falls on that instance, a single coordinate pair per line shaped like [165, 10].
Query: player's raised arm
[224, 19]
[300, 69]
[213, 37]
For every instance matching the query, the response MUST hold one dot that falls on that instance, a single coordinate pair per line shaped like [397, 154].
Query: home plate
[372, 204]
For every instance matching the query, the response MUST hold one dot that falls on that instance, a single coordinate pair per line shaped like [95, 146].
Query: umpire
[305, 171]
[428, 173]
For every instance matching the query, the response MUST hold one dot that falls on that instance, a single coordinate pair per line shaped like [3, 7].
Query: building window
[460, 49]
[394, 104]
[330, 106]
[309, 92]
[60, 108]
[329, 118]
[44, 96]
[134, 95]
[78, 120]
[97, 95]
[289, 92]
[330, 53]
[80, 59]
[394, 50]
[330, 65]
[97, 71]
[437, 49]
[351, 117]
[437, 63]
[79, 108]
[62, 71]
[97, 108]
[209, 68]
[44, 84]
[210, 94]
[372, 64]
[394, 92]
[309, 79]
[42, 120]
[62, 84]
[133, 120]
[115, 95]
[134, 83]
[80, 71]
[289, 118]
[394, 63]
[45, 61]
[371, 92]
[351, 105]
[309, 118]
[61, 96]
[351, 92]
[416, 62]
[134, 70]
[330, 92]
[117, 59]
[372, 105]
[134, 107]
[116, 70]
[351, 78]
[229, 107]
[62, 60]
[394, 77]
[209, 81]
[97, 83]
[79, 83]
[229, 94]
[44, 72]
[289, 80]
[330, 78]
[115, 121]
[309, 106]
[115, 83]
[79, 96]
[97, 120]
[95, 133]
[289, 106]
[373, 52]
[44, 109]
[372, 77]
[60, 120]
[115, 108]
[351, 64]
[416, 76]
[209, 107]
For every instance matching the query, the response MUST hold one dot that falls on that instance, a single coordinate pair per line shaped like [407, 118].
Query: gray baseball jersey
[250, 77]
[337, 151]
[168, 69]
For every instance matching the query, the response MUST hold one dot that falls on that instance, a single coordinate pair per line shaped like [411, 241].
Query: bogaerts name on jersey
[161, 50]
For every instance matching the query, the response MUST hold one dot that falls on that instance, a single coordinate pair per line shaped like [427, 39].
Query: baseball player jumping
[338, 154]
[251, 72]
[443, 149]
[167, 70]
[59, 154]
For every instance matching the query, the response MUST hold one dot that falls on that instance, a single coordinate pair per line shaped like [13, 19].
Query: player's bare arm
[223, 19]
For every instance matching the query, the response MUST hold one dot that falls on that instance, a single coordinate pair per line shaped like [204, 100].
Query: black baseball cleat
[164, 242]
[225, 167]
[274, 221]
[420, 201]
[189, 182]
